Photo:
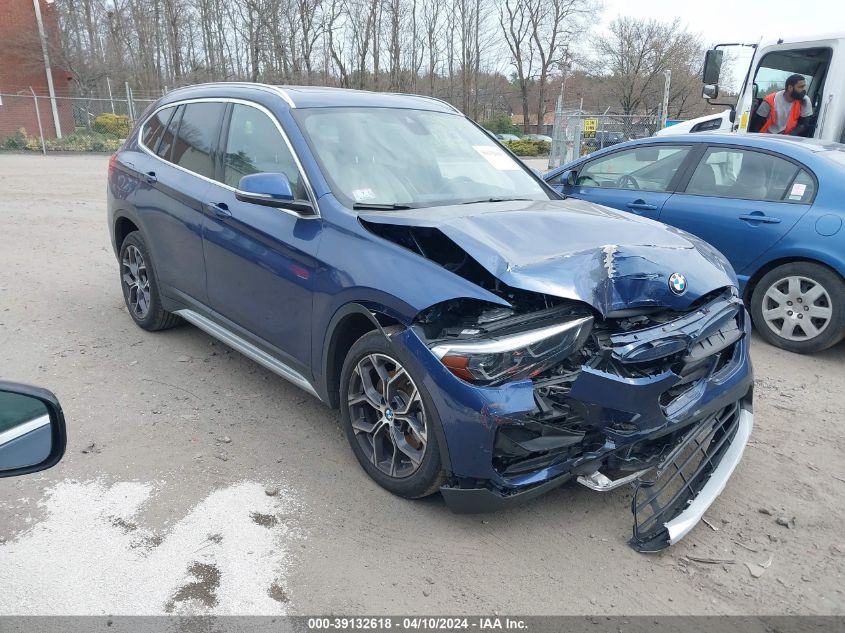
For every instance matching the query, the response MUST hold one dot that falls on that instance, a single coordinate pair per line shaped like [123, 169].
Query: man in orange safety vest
[785, 112]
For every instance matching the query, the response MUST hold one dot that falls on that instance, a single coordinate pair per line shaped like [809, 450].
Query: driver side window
[645, 168]
[254, 145]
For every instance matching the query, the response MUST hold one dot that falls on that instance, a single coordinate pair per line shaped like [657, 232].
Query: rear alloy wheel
[800, 307]
[387, 421]
[140, 285]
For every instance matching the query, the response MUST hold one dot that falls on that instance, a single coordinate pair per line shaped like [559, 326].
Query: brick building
[22, 66]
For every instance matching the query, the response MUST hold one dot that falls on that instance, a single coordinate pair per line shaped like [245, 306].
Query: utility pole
[665, 110]
[42, 35]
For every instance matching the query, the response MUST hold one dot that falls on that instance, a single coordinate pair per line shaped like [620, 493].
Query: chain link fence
[100, 123]
[39, 123]
[576, 133]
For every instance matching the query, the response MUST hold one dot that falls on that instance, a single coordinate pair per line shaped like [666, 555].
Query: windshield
[395, 158]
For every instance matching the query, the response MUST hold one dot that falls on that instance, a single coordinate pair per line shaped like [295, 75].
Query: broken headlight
[492, 361]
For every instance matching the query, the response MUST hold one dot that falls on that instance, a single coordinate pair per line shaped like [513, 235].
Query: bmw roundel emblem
[677, 283]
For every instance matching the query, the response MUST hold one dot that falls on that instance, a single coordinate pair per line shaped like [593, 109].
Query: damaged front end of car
[609, 378]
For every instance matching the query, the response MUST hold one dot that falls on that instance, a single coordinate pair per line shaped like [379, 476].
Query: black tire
[154, 317]
[829, 333]
[429, 474]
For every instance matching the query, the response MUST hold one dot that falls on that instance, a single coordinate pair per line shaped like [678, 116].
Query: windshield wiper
[496, 200]
[374, 206]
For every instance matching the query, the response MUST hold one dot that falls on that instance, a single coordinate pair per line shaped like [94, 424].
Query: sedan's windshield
[394, 158]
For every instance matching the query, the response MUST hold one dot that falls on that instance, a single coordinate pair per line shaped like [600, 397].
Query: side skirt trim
[248, 349]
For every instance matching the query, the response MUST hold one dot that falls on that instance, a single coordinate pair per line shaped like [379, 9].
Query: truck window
[775, 67]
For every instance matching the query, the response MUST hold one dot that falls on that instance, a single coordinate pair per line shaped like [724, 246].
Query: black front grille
[681, 477]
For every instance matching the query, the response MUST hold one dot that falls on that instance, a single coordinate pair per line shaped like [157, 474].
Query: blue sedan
[773, 205]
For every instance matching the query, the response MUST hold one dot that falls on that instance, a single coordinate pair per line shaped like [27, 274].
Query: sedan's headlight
[492, 361]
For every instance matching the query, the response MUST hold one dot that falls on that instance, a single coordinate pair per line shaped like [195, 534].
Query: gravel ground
[195, 481]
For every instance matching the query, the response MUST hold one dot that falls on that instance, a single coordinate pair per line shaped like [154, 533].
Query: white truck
[820, 59]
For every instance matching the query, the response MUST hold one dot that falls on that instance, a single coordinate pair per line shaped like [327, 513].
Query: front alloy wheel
[389, 418]
[387, 415]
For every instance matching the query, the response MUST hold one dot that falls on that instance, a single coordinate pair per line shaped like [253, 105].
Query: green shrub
[543, 147]
[81, 141]
[78, 141]
[114, 125]
[501, 124]
[16, 140]
[523, 147]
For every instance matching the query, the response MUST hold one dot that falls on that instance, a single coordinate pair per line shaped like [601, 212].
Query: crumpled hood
[576, 250]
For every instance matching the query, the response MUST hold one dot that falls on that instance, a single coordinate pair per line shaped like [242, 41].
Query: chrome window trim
[277, 90]
[309, 190]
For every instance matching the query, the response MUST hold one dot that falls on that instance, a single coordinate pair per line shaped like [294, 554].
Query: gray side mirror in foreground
[32, 429]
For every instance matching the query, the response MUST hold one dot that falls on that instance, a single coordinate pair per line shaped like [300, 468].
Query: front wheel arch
[348, 324]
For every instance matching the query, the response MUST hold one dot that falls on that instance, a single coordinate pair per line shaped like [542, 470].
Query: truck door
[777, 65]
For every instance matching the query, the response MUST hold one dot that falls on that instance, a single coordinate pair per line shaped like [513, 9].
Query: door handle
[220, 209]
[641, 205]
[759, 217]
[150, 177]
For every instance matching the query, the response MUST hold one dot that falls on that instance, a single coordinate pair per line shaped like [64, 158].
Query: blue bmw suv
[481, 336]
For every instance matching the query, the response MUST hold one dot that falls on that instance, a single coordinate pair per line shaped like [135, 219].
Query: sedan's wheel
[387, 421]
[800, 307]
[140, 285]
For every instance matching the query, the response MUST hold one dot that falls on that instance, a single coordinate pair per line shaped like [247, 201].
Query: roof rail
[267, 87]
[440, 101]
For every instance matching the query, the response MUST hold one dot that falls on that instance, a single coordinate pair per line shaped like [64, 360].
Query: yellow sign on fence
[591, 125]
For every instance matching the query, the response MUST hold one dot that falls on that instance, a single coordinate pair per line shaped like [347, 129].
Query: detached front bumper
[671, 503]
[678, 527]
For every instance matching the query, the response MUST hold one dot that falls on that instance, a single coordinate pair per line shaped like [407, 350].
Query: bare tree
[515, 20]
[554, 24]
[634, 55]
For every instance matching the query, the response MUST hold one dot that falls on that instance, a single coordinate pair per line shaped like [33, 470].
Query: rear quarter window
[165, 146]
[153, 128]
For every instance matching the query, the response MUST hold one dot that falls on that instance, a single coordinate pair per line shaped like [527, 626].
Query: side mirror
[712, 66]
[569, 178]
[269, 189]
[711, 91]
[32, 429]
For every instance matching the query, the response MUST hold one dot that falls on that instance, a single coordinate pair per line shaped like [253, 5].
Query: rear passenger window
[802, 189]
[736, 173]
[154, 127]
[166, 145]
[196, 137]
[254, 145]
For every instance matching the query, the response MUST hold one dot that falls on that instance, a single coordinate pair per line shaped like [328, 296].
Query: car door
[259, 259]
[171, 200]
[741, 200]
[637, 179]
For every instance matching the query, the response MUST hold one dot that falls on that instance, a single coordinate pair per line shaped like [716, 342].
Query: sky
[721, 21]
